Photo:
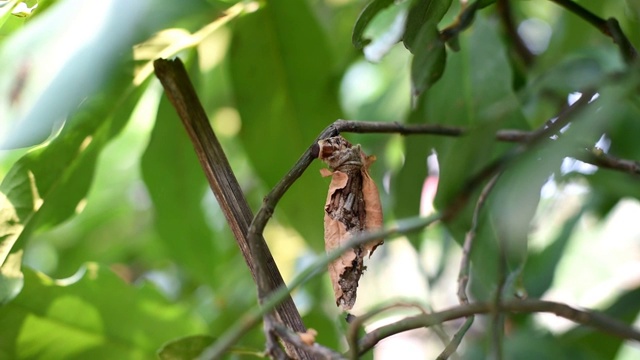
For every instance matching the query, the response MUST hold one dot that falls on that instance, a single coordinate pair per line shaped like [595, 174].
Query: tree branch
[584, 317]
[249, 320]
[609, 27]
[225, 187]
[465, 265]
[504, 10]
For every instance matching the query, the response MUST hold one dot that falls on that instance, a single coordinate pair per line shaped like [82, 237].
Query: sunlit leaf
[92, 315]
[46, 185]
[57, 61]
[540, 268]
[368, 13]
[185, 348]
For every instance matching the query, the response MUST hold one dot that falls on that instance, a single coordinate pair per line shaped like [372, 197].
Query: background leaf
[83, 317]
[420, 13]
[365, 17]
[429, 59]
[284, 86]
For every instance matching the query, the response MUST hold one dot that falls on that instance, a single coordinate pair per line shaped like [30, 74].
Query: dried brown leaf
[352, 207]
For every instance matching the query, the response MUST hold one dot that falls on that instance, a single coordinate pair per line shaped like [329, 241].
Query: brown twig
[506, 16]
[609, 27]
[252, 318]
[506, 135]
[465, 265]
[225, 187]
[358, 322]
[584, 317]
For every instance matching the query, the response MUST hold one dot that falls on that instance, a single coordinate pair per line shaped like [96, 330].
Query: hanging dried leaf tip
[352, 207]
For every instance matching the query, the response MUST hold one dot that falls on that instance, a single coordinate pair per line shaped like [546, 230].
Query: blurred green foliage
[100, 186]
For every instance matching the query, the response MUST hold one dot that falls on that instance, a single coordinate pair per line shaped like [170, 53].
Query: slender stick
[465, 265]
[251, 319]
[225, 187]
[357, 322]
[584, 317]
[504, 9]
[609, 27]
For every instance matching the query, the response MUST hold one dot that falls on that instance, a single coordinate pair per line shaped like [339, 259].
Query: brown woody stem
[226, 189]
[583, 317]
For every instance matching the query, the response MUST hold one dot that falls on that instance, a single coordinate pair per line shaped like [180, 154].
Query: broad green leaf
[368, 13]
[285, 91]
[11, 278]
[189, 347]
[540, 268]
[93, 315]
[421, 12]
[56, 61]
[37, 98]
[6, 8]
[429, 59]
[46, 185]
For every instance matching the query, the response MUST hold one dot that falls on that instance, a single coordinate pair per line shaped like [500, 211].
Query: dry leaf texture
[352, 207]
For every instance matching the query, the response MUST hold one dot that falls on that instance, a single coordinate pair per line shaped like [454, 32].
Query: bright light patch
[536, 34]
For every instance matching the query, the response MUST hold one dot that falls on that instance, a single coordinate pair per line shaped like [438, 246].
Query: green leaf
[11, 278]
[420, 13]
[5, 10]
[368, 13]
[46, 185]
[540, 268]
[189, 347]
[429, 59]
[55, 62]
[483, 102]
[285, 91]
[94, 315]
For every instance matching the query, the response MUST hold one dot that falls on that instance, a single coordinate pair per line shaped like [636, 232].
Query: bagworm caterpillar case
[352, 207]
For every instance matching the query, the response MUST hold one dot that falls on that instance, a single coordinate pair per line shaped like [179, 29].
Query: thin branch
[609, 27]
[252, 318]
[504, 10]
[589, 318]
[358, 322]
[225, 187]
[506, 135]
[497, 317]
[465, 265]
[603, 160]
